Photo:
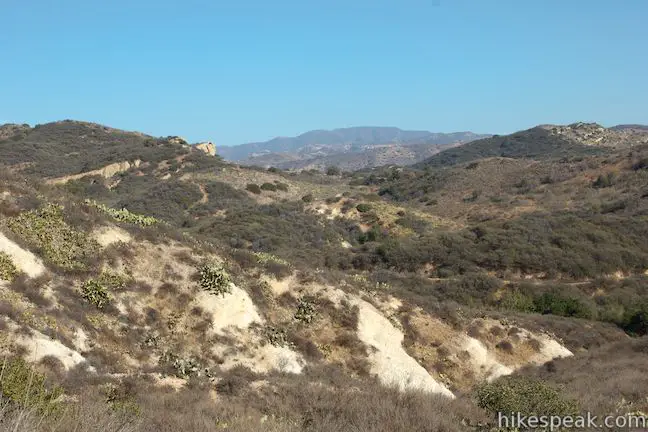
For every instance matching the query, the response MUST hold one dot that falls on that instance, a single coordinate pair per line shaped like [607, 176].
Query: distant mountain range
[348, 148]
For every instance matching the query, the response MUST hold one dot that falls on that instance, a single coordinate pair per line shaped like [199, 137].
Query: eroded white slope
[23, 259]
[233, 314]
[389, 360]
[39, 346]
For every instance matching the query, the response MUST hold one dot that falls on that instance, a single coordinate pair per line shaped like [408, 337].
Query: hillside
[351, 148]
[542, 142]
[631, 127]
[184, 292]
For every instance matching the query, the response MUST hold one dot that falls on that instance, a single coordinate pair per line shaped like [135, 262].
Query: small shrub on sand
[94, 292]
[305, 311]
[214, 279]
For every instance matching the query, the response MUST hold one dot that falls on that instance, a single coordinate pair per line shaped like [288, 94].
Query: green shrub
[123, 215]
[307, 198]
[269, 187]
[265, 258]
[113, 281]
[276, 336]
[21, 384]
[8, 270]
[546, 180]
[517, 301]
[96, 293]
[374, 234]
[642, 164]
[333, 171]
[305, 311]
[58, 243]
[363, 208]
[635, 320]
[604, 181]
[558, 304]
[524, 395]
[215, 280]
[281, 186]
[254, 188]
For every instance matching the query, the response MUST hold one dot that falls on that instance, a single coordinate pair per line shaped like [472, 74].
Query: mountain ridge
[545, 141]
[341, 140]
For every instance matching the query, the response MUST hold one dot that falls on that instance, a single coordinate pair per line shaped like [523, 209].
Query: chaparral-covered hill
[146, 284]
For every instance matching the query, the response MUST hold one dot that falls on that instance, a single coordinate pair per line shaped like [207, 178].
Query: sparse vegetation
[254, 188]
[277, 337]
[604, 180]
[185, 368]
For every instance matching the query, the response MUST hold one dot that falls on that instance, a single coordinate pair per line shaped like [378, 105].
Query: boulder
[207, 147]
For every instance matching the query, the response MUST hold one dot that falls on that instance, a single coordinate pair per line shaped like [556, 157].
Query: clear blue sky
[240, 71]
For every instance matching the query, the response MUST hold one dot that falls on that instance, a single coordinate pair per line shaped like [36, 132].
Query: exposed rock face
[208, 147]
[596, 135]
[106, 172]
[177, 140]
[8, 130]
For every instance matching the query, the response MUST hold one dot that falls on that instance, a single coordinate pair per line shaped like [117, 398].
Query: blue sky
[240, 71]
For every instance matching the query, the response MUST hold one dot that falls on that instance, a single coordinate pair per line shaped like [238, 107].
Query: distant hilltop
[348, 148]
